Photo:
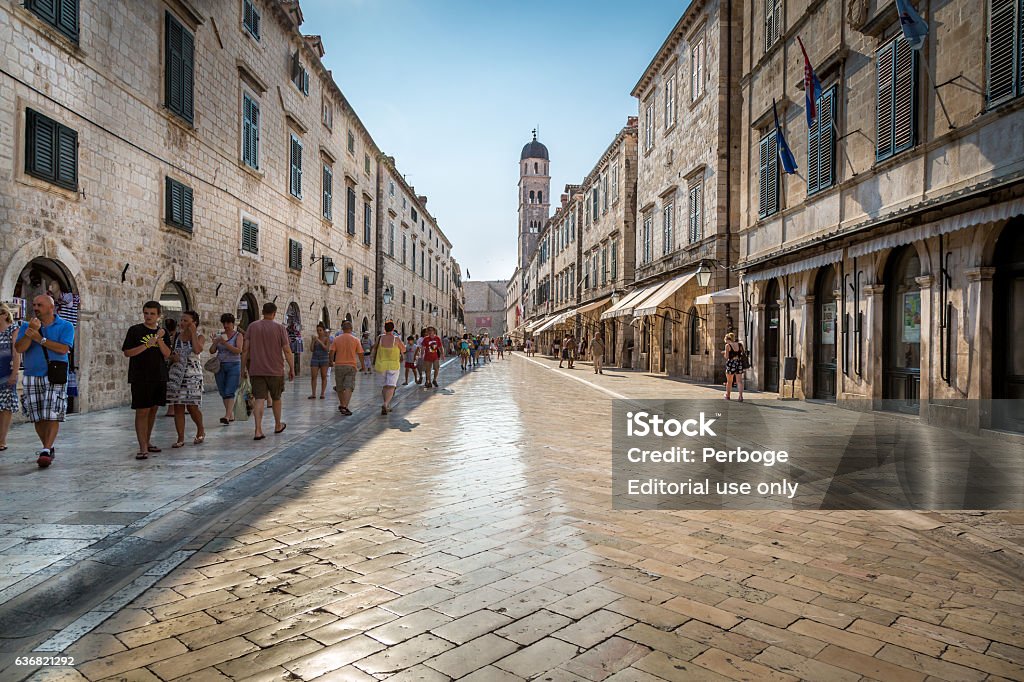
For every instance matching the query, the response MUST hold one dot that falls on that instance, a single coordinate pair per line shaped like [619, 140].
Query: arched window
[246, 311]
[535, 171]
[540, 197]
[366, 325]
[531, 196]
[174, 301]
[325, 317]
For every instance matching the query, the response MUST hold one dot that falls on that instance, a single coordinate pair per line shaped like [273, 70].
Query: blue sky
[452, 89]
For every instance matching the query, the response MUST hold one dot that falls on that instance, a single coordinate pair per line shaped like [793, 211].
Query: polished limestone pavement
[470, 535]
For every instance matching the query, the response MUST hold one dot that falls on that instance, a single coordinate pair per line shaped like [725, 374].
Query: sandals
[179, 444]
[153, 448]
[225, 421]
[260, 437]
[199, 440]
[281, 430]
[141, 455]
[312, 397]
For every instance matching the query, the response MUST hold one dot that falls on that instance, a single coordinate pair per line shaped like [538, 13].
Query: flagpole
[935, 88]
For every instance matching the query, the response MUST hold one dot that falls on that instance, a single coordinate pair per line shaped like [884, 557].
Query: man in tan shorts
[347, 356]
[265, 355]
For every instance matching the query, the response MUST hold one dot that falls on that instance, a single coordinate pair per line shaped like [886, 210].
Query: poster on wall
[828, 324]
[912, 317]
[483, 322]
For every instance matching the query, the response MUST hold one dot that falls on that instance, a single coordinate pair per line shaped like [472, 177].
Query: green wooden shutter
[67, 157]
[40, 156]
[762, 195]
[328, 183]
[67, 19]
[883, 133]
[172, 202]
[44, 9]
[351, 210]
[1004, 50]
[250, 132]
[615, 259]
[179, 67]
[773, 173]
[295, 179]
[904, 115]
[250, 236]
[186, 207]
[827, 138]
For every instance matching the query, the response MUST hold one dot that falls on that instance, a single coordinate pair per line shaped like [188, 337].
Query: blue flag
[915, 29]
[785, 155]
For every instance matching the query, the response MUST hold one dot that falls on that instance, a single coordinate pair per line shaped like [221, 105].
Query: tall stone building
[888, 272]
[687, 184]
[485, 307]
[196, 153]
[534, 196]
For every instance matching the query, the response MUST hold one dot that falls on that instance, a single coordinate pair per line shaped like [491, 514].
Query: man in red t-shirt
[433, 351]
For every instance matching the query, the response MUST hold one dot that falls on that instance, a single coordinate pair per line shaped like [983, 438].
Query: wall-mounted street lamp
[328, 270]
[389, 294]
[703, 275]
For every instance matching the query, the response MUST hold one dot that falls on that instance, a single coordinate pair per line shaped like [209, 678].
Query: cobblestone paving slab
[472, 537]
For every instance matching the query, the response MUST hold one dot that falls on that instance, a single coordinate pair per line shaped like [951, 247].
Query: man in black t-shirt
[147, 354]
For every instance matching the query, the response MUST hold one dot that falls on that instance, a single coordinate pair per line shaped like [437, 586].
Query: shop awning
[731, 295]
[791, 268]
[536, 324]
[649, 306]
[625, 306]
[593, 306]
[554, 320]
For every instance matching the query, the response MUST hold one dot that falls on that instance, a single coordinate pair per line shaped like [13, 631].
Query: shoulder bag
[56, 371]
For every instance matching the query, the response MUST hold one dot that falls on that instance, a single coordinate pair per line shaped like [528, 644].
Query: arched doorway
[325, 317]
[47, 276]
[771, 337]
[366, 325]
[693, 342]
[247, 309]
[901, 340]
[666, 342]
[825, 316]
[1008, 329]
[174, 301]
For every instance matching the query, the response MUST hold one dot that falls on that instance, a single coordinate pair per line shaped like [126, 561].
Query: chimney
[632, 121]
[391, 160]
[422, 199]
[565, 200]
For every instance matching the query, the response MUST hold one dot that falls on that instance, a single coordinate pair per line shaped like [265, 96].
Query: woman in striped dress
[185, 380]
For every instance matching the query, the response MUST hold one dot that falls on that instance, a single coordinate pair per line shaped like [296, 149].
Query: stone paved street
[470, 535]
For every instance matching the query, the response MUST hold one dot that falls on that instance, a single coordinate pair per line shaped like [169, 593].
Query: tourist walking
[228, 346]
[597, 353]
[367, 345]
[387, 361]
[411, 351]
[319, 360]
[433, 351]
[171, 325]
[501, 349]
[733, 354]
[44, 343]
[528, 348]
[347, 356]
[185, 379]
[266, 356]
[464, 350]
[10, 365]
[145, 346]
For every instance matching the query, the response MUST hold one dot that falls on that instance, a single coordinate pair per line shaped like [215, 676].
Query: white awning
[731, 295]
[799, 266]
[980, 216]
[625, 306]
[592, 306]
[554, 320]
[649, 306]
[533, 326]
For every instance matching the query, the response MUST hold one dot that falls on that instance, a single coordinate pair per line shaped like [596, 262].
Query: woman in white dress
[185, 380]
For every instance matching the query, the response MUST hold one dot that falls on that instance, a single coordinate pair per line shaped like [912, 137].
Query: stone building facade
[888, 272]
[416, 266]
[485, 307]
[241, 173]
[687, 184]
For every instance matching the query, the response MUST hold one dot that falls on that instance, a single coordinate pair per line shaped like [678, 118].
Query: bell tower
[534, 197]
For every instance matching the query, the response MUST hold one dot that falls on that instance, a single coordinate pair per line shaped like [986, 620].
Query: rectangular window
[821, 141]
[367, 223]
[586, 273]
[667, 239]
[615, 181]
[299, 74]
[179, 68]
[596, 202]
[294, 255]
[349, 278]
[604, 266]
[897, 111]
[646, 237]
[697, 69]
[61, 14]
[391, 239]
[251, 18]
[51, 150]
[178, 205]
[772, 22]
[696, 211]
[328, 183]
[649, 125]
[366, 284]
[413, 263]
[572, 225]
[768, 182]
[604, 192]
[350, 210]
[423, 261]
[414, 215]
[250, 132]
[1005, 51]
[327, 114]
[615, 260]
[391, 188]
[366, 163]
[250, 236]
[670, 102]
[404, 244]
[295, 160]
[351, 143]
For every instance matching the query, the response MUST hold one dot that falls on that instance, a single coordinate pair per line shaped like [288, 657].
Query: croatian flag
[915, 29]
[812, 88]
[785, 155]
